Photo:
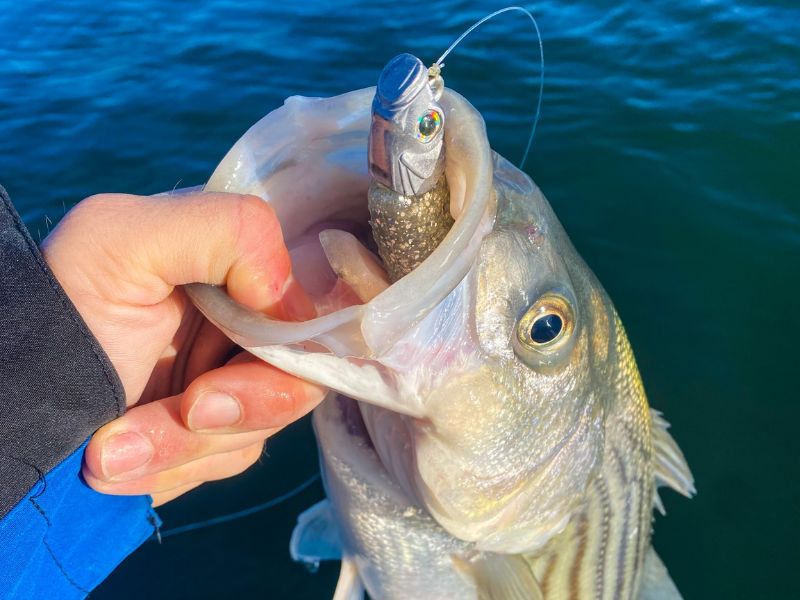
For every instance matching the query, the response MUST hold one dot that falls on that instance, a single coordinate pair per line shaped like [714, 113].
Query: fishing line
[238, 514]
[440, 64]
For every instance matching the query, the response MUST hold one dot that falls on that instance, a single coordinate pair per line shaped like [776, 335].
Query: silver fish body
[489, 436]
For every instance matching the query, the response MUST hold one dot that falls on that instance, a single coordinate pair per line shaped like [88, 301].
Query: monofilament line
[241, 513]
[541, 64]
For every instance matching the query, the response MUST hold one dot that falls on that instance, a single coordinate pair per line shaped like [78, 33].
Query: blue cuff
[64, 538]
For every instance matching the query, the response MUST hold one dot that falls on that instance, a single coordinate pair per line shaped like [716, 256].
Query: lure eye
[428, 125]
[546, 323]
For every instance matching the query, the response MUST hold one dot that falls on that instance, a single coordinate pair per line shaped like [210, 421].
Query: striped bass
[487, 434]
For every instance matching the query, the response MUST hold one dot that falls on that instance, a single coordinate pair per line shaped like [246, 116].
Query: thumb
[119, 258]
[144, 246]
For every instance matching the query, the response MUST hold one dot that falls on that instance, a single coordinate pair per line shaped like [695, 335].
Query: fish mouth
[308, 159]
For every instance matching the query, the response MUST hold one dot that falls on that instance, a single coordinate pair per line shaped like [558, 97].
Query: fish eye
[546, 328]
[428, 125]
[546, 323]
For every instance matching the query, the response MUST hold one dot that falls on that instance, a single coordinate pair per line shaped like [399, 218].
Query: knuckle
[256, 214]
[255, 204]
[94, 214]
[297, 400]
[84, 212]
[92, 203]
[100, 205]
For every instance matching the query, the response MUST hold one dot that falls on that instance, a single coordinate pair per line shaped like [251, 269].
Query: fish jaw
[360, 379]
[332, 351]
[441, 346]
[308, 160]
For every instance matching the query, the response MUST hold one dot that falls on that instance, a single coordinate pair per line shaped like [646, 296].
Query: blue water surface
[668, 146]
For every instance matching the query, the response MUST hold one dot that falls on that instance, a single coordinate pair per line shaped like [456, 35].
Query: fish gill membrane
[487, 433]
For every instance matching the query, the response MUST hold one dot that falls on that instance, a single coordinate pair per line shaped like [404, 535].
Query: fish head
[406, 150]
[480, 374]
[509, 370]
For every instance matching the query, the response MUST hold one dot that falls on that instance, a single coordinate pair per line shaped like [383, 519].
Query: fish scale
[600, 553]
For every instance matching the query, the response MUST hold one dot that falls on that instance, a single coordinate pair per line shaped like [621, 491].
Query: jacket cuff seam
[111, 376]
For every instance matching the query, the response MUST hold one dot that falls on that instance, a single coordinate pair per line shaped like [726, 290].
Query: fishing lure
[409, 199]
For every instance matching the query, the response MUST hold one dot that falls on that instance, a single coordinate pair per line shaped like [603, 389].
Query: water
[668, 146]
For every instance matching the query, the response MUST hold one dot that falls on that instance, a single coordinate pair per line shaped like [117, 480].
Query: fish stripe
[619, 591]
[575, 571]
[605, 506]
[600, 554]
[637, 549]
[548, 573]
[646, 489]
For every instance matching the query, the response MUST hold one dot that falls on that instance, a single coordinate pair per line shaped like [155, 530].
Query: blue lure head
[406, 140]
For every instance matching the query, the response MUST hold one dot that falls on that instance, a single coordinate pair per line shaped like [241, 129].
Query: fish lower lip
[365, 380]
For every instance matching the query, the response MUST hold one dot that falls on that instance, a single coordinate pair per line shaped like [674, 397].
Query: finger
[211, 349]
[167, 377]
[246, 396]
[161, 242]
[242, 357]
[164, 497]
[151, 438]
[209, 468]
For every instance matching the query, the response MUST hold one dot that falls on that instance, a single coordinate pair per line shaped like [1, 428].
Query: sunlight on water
[667, 146]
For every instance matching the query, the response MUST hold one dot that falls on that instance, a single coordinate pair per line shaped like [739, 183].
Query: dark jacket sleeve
[57, 387]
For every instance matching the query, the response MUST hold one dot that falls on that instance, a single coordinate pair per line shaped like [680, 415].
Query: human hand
[198, 410]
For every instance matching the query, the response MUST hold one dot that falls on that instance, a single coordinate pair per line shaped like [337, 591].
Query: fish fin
[500, 577]
[316, 536]
[658, 504]
[349, 586]
[656, 584]
[671, 469]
